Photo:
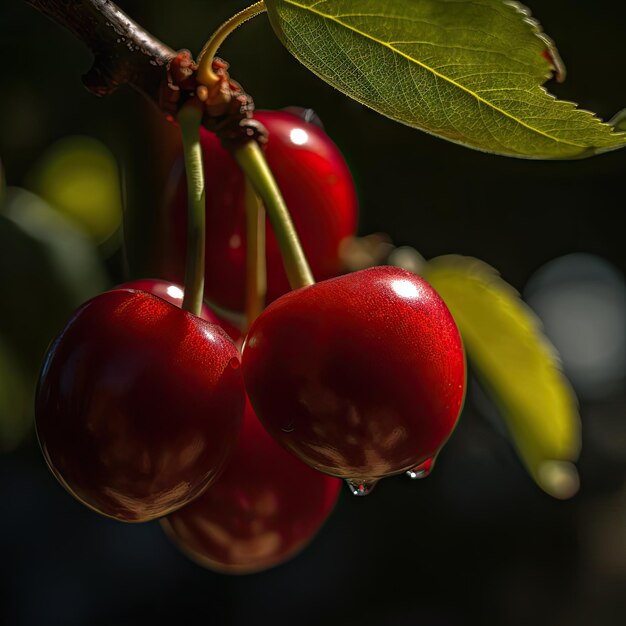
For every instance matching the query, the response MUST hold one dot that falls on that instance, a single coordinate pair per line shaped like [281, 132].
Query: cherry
[169, 291]
[361, 376]
[173, 292]
[264, 508]
[317, 187]
[138, 405]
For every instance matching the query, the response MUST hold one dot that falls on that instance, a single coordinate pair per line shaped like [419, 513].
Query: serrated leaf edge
[559, 67]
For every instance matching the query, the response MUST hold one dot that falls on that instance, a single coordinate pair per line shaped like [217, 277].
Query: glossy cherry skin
[139, 405]
[361, 376]
[174, 293]
[264, 508]
[318, 189]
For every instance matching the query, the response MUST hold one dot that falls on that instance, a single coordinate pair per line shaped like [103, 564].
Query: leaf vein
[453, 82]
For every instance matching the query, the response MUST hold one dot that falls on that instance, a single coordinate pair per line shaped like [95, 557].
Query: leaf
[79, 178]
[518, 365]
[48, 267]
[470, 71]
[618, 121]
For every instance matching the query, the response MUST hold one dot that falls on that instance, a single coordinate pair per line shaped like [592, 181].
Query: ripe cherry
[174, 293]
[361, 376]
[318, 189]
[264, 508]
[139, 405]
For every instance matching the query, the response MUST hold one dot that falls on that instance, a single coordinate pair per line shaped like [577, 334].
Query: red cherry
[361, 376]
[138, 405]
[174, 293]
[264, 508]
[318, 189]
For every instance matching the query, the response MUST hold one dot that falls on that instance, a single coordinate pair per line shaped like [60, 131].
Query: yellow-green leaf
[78, 177]
[518, 366]
[470, 71]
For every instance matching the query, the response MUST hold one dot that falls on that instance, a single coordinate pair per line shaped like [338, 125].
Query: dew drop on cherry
[422, 470]
[361, 487]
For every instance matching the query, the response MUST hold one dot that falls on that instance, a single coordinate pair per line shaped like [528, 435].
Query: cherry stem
[252, 161]
[256, 276]
[189, 119]
[205, 74]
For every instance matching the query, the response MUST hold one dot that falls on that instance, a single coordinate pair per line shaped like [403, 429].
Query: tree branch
[124, 53]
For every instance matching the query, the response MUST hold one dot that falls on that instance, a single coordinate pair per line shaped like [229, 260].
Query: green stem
[252, 161]
[256, 275]
[205, 74]
[189, 119]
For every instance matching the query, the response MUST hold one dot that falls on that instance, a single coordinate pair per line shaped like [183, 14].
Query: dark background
[477, 542]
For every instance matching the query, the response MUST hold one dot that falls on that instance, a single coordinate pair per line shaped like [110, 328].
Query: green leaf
[79, 178]
[618, 121]
[48, 267]
[518, 366]
[470, 71]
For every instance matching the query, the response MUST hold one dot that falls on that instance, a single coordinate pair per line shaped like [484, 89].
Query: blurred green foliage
[48, 267]
[78, 176]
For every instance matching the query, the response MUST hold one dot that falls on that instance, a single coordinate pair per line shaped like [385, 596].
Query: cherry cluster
[237, 440]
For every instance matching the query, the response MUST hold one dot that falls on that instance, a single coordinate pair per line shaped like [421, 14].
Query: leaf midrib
[434, 72]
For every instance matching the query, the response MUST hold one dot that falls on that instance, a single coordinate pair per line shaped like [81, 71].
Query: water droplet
[360, 487]
[287, 428]
[422, 470]
[234, 363]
